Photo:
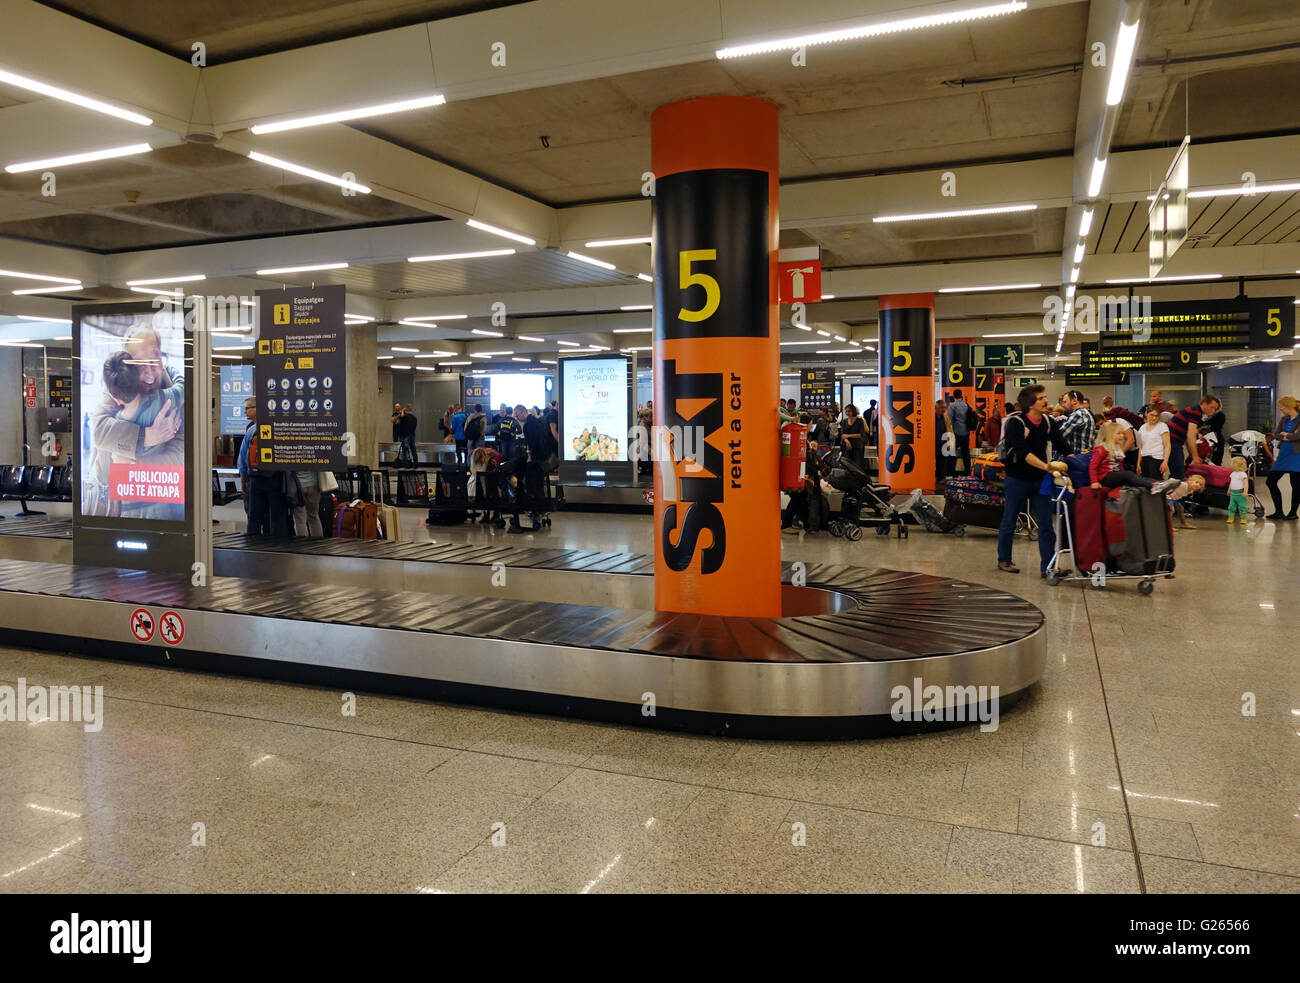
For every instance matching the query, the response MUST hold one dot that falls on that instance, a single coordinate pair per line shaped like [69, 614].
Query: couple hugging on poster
[140, 419]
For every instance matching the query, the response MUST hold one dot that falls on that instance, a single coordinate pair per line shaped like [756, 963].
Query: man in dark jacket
[1031, 436]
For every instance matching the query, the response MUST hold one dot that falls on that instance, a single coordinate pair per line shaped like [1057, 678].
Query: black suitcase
[931, 519]
[450, 505]
[1148, 544]
[973, 514]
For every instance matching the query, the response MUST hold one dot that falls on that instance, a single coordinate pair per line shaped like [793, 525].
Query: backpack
[1001, 451]
[474, 427]
[972, 418]
[253, 448]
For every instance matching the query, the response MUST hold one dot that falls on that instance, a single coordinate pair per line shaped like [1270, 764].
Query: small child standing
[1237, 487]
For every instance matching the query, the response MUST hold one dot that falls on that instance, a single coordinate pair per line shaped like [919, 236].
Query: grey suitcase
[1148, 544]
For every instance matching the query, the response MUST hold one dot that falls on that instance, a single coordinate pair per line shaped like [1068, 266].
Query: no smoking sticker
[142, 626]
[171, 628]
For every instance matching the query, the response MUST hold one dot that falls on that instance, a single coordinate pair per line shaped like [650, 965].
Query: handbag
[328, 482]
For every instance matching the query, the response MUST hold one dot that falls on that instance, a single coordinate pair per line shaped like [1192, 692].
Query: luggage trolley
[1062, 523]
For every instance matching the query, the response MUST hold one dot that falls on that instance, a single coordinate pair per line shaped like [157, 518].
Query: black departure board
[1241, 322]
[1136, 358]
[1096, 377]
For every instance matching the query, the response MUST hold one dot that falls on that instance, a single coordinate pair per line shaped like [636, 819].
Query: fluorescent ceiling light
[828, 296]
[803, 327]
[593, 262]
[434, 354]
[547, 361]
[455, 363]
[383, 109]
[958, 213]
[1078, 254]
[517, 359]
[1169, 279]
[474, 223]
[51, 289]
[873, 30]
[1026, 334]
[602, 243]
[426, 368]
[824, 334]
[528, 337]
[1070, 291]
[219, 355]
[1074, 275]
[1121, 62]
[636, 307]
[480, 254]
[382, 357]
[786, 344]
[37, 276]
[840, 337]
[396, 349]
[837, 351]
[396, 366]
[63, 337]
[486, 332]
[974, 290]
[31, 85]
[178, 292]
[1098, 174]
[632, 330]
[439, 317]
[569, 344]
[359, 318]
[646, 277]
[167, 279]
[285, 165]
[1237, 189]
[276, 271]
[1085, 223]
[416, 324]
[82, 158]
[491, 354]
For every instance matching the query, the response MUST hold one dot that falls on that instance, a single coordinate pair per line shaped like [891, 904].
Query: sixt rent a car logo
[901, 405]
[691, 498]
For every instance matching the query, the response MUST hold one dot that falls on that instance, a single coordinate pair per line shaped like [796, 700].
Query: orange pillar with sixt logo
[716, 357]
[907, 424]
[955, 373]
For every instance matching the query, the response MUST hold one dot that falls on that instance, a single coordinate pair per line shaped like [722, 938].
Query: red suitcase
[1214, 475]
[1089, 528]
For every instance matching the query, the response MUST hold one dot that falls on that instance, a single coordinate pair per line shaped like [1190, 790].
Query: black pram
[860, 491]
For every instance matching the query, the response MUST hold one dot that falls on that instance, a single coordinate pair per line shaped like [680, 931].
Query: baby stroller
[860, 492]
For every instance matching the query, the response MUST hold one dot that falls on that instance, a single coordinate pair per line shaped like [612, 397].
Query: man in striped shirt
[1184, 428]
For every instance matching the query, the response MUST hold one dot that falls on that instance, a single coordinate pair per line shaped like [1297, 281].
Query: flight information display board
[1096, 377]
[1240, 322]
[1137, 358]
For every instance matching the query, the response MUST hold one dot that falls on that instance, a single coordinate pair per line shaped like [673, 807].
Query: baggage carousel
[494, 625]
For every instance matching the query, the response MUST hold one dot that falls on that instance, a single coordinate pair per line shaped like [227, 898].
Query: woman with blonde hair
[1287, 462]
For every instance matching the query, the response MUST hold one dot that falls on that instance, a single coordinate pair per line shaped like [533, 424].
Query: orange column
[716, 357]
[907, 391]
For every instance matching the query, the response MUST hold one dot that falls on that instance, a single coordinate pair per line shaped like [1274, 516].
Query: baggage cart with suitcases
[1112, 534]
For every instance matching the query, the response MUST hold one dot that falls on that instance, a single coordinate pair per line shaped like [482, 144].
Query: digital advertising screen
[131, 394]
[594, 411]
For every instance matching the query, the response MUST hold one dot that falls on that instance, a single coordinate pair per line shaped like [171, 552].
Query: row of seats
[37, 484]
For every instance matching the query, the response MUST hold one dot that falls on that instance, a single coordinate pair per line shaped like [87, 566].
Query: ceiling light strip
[382, 109]
[957, 213]
[286, 165]
[54, 92]
[82, 158]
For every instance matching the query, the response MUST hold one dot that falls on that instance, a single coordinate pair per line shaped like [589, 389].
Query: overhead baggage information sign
[1096, 377]
[1137, 358]
[1240, 322]
[1007, 356]
[301, 379]
[236, 386]
[816, 388]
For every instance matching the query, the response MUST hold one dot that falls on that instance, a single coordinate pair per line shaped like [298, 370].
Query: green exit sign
[1007, 356]
[1025, 380]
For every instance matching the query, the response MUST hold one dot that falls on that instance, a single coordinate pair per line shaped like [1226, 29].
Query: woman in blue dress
[1287, 463]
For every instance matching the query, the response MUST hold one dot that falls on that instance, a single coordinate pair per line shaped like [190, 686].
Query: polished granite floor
[1130, 768]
